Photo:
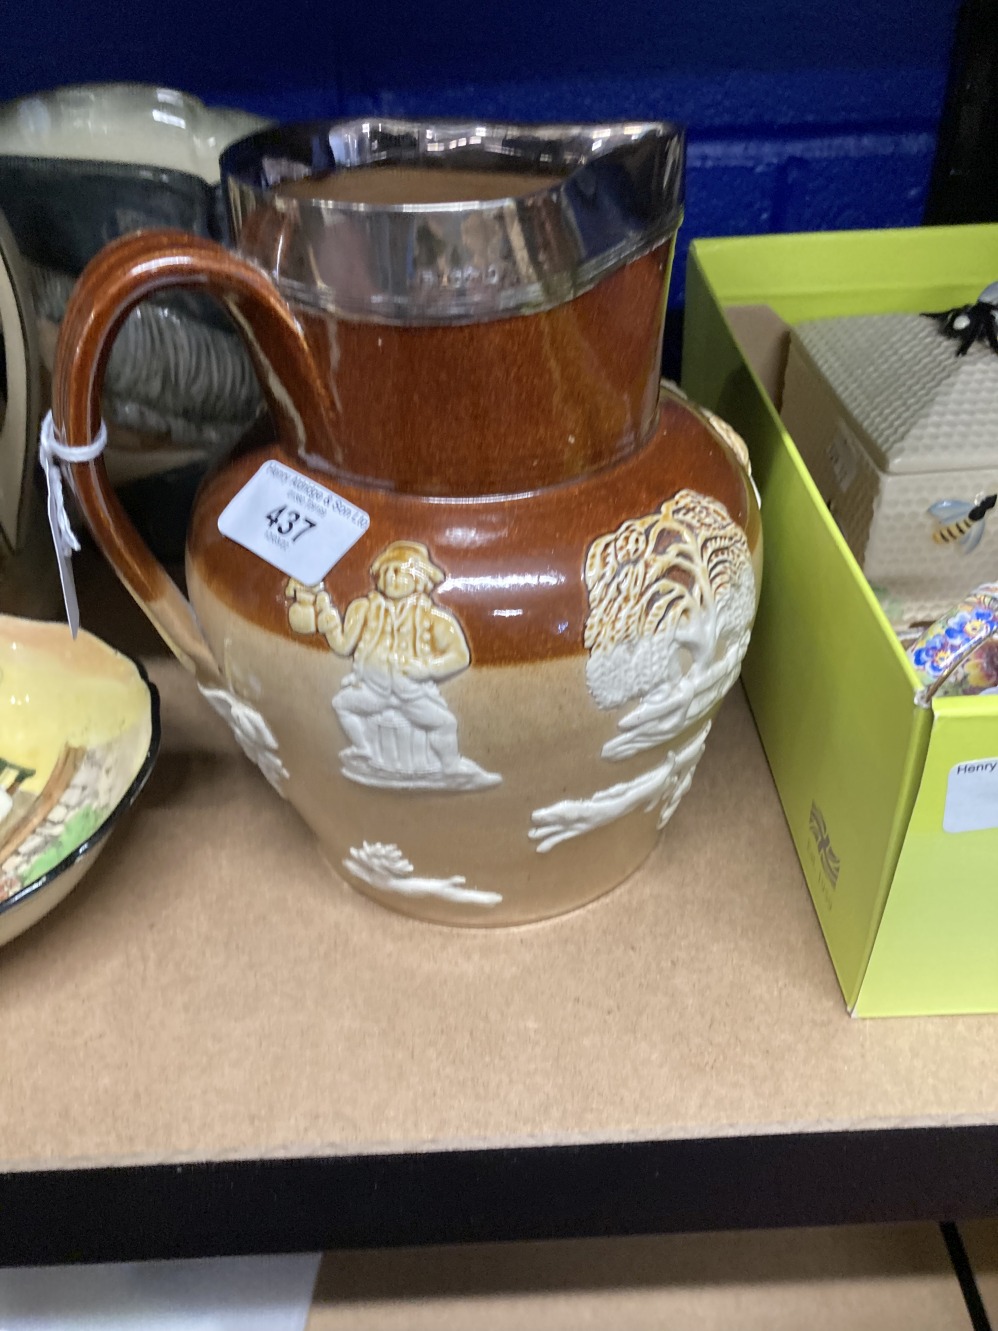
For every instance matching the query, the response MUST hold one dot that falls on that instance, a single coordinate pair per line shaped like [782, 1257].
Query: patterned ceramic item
[81, 166]
[28, 580]
[179, 388]
[492, 693]
[897, 429]
[79, 730]
[959, 653]
[126, 123]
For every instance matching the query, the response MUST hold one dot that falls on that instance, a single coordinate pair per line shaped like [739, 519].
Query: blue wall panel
[802, 115]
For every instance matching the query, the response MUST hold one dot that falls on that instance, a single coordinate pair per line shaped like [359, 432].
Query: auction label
[972, 796]
[292, 522]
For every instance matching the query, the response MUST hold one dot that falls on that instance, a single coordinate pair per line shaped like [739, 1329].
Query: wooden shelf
[213, 993]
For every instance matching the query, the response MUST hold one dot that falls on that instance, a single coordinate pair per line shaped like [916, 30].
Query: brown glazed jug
[479, 595]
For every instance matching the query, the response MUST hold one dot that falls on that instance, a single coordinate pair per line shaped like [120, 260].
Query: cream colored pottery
[79, 731]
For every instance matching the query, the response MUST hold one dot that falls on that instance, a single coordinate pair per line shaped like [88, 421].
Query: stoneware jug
[29, 584]
[473, 606]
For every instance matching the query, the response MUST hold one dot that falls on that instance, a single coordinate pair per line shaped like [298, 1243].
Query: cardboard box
[909, 911]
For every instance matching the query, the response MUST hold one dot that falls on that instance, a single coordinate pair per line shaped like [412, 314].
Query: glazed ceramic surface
[895, 423]
[123, 122]
[495, 698]
[79, 731]
[28, 579]
[81, 166]
[958, 654]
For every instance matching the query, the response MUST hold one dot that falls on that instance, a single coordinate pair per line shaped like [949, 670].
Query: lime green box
[909, 911]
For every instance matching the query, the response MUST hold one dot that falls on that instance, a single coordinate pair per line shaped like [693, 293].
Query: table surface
[213, 992]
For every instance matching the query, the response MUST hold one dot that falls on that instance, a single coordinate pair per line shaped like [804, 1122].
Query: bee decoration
[960, 522]
[972, 323]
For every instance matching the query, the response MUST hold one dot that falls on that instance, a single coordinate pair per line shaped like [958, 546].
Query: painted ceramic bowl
[79, 732]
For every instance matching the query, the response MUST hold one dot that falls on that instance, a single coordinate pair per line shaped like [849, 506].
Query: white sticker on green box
[972, 796]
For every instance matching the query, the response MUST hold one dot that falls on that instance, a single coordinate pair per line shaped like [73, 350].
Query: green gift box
[868, 778]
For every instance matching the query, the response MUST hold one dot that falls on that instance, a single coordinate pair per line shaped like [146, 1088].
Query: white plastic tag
[63, 540]
[972, 796]
[292, 522]
[52, 453]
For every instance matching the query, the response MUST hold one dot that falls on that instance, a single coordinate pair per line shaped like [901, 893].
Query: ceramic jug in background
[29, 585]
[80, 166]
[477, 602]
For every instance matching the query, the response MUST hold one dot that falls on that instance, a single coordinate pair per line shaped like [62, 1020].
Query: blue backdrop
[802, 115]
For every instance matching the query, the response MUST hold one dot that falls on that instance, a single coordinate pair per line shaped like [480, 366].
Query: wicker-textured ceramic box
[898, 431]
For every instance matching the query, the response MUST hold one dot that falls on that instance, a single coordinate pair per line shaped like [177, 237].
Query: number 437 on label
[292, 522]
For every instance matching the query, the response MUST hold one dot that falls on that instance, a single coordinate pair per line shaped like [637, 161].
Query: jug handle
[123, 274]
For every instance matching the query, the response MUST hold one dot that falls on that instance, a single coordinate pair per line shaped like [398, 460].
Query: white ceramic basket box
[901, 436]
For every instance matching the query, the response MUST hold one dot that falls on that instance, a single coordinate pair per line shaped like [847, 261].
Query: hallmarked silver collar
[620, 195]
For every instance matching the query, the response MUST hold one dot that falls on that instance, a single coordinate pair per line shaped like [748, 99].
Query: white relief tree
[671, 602]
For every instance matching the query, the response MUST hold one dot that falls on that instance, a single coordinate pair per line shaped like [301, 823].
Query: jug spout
[485, 301]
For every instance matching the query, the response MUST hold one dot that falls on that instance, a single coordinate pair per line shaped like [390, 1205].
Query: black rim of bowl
[125, 803]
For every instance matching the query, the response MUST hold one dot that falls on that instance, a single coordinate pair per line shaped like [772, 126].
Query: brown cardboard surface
[980, 1238]
[213, 990]
[765, 341]
[863, 1279]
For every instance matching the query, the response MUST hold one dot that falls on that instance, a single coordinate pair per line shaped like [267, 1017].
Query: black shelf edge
[301, 1205]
